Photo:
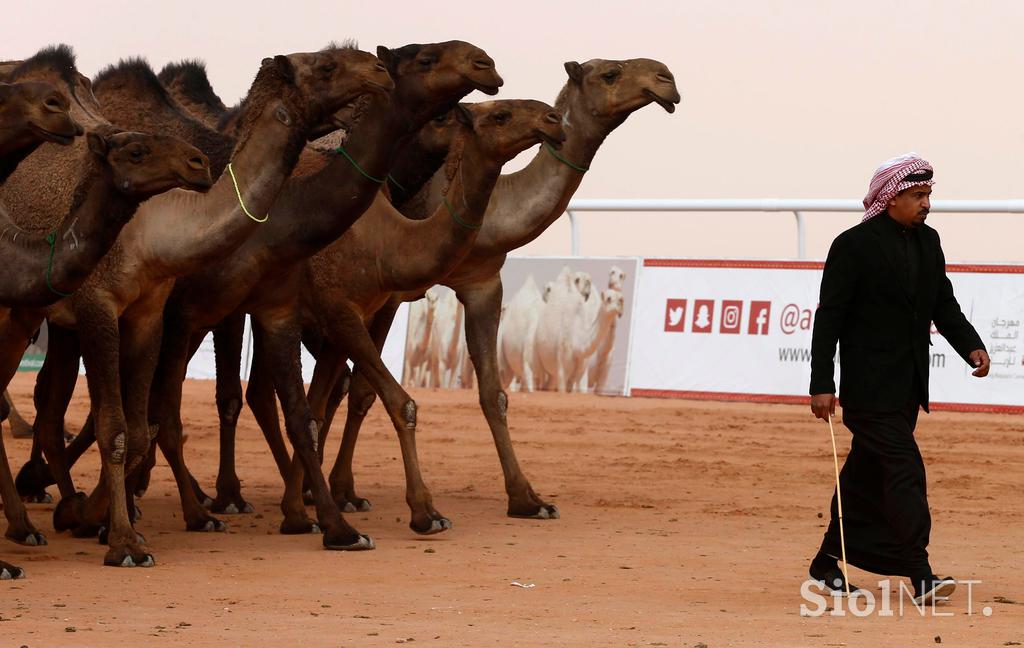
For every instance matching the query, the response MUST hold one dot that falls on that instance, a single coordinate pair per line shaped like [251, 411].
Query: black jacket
[882, 329]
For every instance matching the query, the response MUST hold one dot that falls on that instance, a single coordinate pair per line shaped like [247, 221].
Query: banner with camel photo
[565, 326]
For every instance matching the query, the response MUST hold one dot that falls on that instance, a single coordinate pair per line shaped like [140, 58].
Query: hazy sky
[781, 98]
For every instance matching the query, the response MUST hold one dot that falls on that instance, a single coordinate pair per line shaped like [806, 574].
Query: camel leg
[20, 428]
[101, 350]
[165, 411]
[259, 396]
[15, 331]
[55, 386]
[279, 333]
[347, 328]
[483, 309]
[227, 341]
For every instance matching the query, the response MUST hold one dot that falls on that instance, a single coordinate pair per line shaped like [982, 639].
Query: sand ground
[683, 524]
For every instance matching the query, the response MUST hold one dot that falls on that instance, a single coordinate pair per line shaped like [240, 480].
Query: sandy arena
[683, 524]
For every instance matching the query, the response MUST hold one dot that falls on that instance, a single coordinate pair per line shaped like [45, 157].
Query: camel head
[32, 113]
[56, 65]
[581, 281]
[144, 165]
[614, 89]
[612, 302]
[616, 277]
[507, 127]
[437, 75]
[323, 82]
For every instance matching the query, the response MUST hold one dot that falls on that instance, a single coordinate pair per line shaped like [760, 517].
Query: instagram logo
[732, 313]
[760, 311]
[675, 315]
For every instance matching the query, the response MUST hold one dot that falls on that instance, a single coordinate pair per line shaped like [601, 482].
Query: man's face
[911, 206]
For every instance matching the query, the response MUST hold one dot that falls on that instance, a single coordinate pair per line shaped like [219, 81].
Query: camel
[118, 312]
[121, 170]
[314, 210]
[421, 323]
[516, 331]
[597, 370]
[555, 340]
[187, 82]
[598, 97]
[443, 347]
[409, 254]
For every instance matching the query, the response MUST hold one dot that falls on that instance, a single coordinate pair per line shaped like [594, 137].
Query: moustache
[924, 212]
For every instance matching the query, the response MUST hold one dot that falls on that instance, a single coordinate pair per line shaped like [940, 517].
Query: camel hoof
[364, 543]
[357, 505]
[41, 497]
[207, 502]
[30, 539]
[437, 525]
[10, 572]
[68, 512]
[145, 560]
[234, 507]
[33, 478]
[215, 525]
[543, 512]
[299, 527]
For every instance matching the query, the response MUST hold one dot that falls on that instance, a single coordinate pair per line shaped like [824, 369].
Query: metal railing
[798, 207]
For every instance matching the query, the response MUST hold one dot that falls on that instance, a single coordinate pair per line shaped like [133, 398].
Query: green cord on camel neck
[51, 238]
[554, 153]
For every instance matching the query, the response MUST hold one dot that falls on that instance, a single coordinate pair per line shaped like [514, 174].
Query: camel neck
[9, 160]
[186, 232]
[427, 250]
[86, 233]
[527, 202]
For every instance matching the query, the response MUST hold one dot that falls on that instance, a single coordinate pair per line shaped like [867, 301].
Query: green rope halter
[51, 238]
[366, 175]
[455, 217]
[552, 151]
[395, 182]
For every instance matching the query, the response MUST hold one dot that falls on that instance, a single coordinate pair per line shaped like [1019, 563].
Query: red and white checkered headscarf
[889, 180]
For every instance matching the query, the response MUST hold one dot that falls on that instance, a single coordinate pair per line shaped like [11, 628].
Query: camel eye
[327, 68]
[502, 117]
[610, 76]
[136, 155]
[425, 61]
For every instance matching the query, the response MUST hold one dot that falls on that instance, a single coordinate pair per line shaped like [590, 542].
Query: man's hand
[981, 361]
[823, 405]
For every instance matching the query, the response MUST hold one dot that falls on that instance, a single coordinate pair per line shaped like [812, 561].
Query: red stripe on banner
[810, 265]
[779, 399]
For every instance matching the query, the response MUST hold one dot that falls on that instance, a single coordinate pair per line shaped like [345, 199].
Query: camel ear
[284, 66]
[574, 70]
[387, 57]
[463, 116]
[97, 144]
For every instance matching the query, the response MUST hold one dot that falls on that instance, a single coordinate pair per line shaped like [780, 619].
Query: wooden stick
[839, 501]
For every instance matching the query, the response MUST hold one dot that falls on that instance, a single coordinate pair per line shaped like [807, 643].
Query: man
[884, 284]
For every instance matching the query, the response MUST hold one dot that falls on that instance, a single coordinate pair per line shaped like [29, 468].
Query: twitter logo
[675, 315]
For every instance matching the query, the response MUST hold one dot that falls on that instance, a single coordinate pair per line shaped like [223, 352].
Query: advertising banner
[565, 326]
[742, 330]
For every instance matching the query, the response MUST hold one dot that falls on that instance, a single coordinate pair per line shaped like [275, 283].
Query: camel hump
[135, 71]
[189, 76]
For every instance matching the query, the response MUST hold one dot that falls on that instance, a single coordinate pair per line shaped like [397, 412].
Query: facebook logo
[760, 311]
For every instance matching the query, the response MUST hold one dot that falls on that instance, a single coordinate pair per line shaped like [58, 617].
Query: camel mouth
[549, 139]
[668, 104]
[50, 136]
[202, 185]
[486, 87]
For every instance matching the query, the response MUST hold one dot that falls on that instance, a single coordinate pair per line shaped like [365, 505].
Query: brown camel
[340, 300]
[598, 97]
[187, 82]
[118, 313]
[314, 210]
[121, 170]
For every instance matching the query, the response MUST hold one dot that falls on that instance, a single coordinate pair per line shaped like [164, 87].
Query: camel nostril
[666, 78]
[380, 67]
[553, 118]
[197, 162]
[53, 105]
[483, 64]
